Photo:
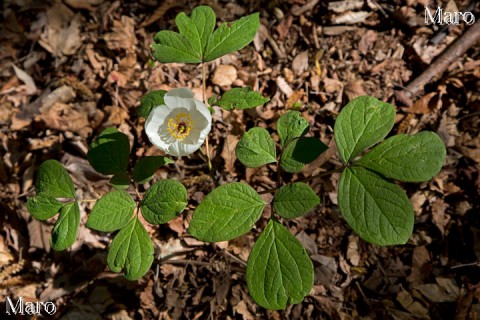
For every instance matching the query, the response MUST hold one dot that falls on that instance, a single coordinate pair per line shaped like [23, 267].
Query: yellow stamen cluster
[180, 126]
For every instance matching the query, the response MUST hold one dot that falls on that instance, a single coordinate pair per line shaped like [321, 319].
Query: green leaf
[43, 207]
[226, 213]
[241, 98]
[65, 230]
[363, 122]
[164, 201]
[378, 210]
[145, 168]
[290, 126]
[108, 154]
[174, 47]
[232, 36]
[279, 271]
[299, 152]
[198, 28]
[53, 180]
[149, 101]
[111, 212]
[256, 148]
[413, 158]
[294, 200]
[132, 250]
[120, 181]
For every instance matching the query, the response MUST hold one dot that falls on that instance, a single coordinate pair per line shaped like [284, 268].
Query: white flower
[179, 126]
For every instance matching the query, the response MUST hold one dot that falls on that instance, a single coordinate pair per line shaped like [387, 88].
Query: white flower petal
[178, 148]
[179, 98]
[203, 109]
[156, 119]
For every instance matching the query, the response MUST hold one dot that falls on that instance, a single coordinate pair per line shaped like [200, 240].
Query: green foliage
[66, 228]
[149, 101]
[145, 168]
[111, 212]
[198, 42]
[279, 271]
[294, 200]
[226, 213]
[291, 126]
[240, 98]
[53, 181]
[378, 210]
[299, 152]
[164, 201]
[120, 181]
[131, 250]
[256, 148]
[43, 207]
[412, 158]
[363, 122]
[108, 154]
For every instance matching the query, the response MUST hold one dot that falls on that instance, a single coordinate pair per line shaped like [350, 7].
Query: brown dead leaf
[420, 258]
[439, 217]
[354, 89]
[123, 35]
[350, 17]
[412, 306]
[300, 63]
[30, 87]
[426, 104]
[67, 117]
[367, 41]
[224, 75]
[61, 35]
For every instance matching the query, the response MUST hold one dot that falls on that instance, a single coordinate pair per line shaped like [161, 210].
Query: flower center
[180, 126]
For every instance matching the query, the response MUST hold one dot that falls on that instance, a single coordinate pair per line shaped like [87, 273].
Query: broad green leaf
[198, 28]
[413, 158]
[363, 122]
[174, 47]
[232, 36]
[111, 212]
[290, 126]
[164, 201]
[241, 98]
[120, 181]
[299, 152]
[43, 207]
[226, 213]
[65, 230]
[131, 250]
[53, 180]
[149, 101]
[378, 210]
[145, 168]
[256, 148]
[279, 271]
[108, 153]
[294, 200]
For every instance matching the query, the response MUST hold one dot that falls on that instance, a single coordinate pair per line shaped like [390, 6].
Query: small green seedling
[279, 270]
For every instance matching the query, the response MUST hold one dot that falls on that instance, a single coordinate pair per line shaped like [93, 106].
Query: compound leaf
[174, 47]
[256, 148]
[294, 200]
[108, 153]
[363, 122]
[279, 271]
[241, 98]
[53, 180]
[198, 28]
[299, 152]
[290, 126]
[66, 228]
[232, 36]
[226, 213]
[111, 212]
[164, 201]
[413, 158]
[120, 181]
[145, 168]
[149, 101]
[131, 250]
[378, 210]
[43, 207]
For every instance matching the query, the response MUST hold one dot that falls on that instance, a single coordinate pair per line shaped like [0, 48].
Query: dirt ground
[69, 69]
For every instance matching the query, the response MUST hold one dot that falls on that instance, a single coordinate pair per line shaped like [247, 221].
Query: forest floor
[70, 69]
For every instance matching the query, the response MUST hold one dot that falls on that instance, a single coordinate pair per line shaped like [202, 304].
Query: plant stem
[321, 174]
[204, 98]
[87, 200]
